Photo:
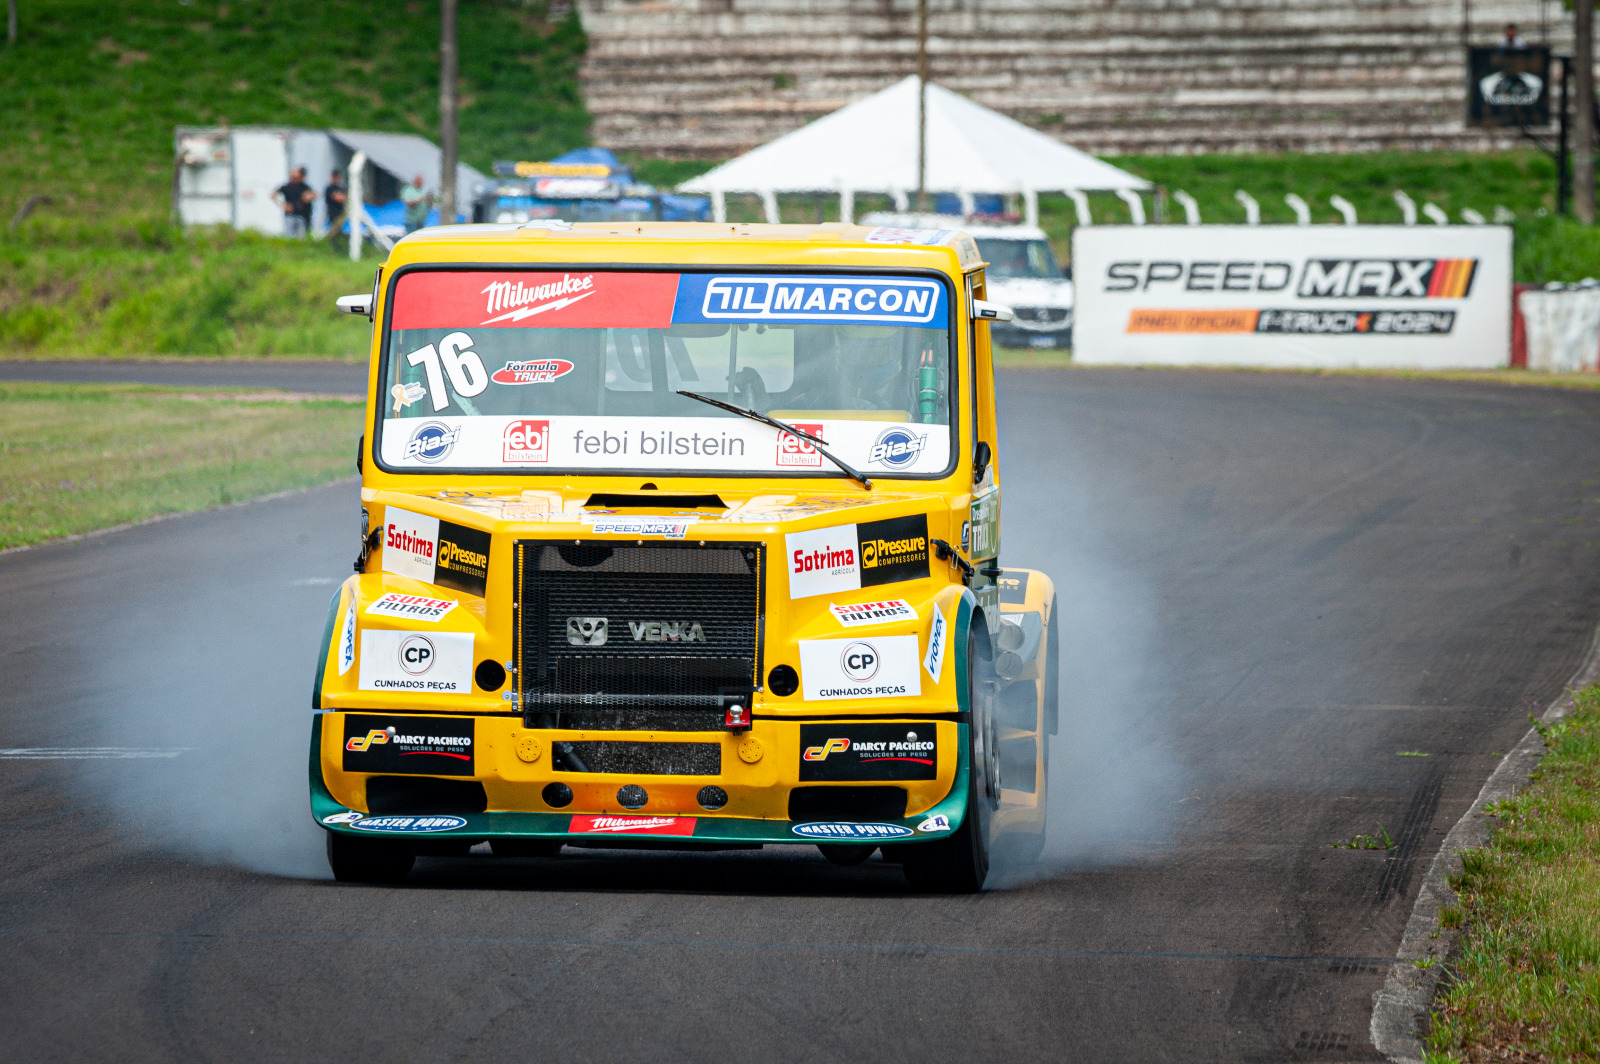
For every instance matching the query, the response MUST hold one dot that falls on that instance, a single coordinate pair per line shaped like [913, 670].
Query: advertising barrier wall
[1323, 296]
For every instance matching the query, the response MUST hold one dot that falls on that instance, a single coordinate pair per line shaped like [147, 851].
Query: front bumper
[756, 812]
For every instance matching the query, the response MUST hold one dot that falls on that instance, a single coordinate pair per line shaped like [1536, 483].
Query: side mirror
[361, 304]
[981, 457]
[1066, 272]
[983, 310]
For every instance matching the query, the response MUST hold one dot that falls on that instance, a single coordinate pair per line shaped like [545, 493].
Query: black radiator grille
[658, 636]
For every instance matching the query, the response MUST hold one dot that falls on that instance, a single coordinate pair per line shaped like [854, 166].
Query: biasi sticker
[860, 614]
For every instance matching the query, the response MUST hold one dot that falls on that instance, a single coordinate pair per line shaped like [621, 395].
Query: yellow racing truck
[682, 535]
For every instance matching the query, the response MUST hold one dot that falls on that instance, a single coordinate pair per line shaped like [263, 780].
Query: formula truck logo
[586, 631]
[539, 371]
[528, 300]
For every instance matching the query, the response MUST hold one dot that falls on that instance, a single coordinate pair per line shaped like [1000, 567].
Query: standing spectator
[417, 203]
[1513, 40]
[334, 198]
[296, 198]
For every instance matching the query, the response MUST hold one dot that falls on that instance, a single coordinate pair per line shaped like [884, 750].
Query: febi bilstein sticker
[833, 832]
[411, 824]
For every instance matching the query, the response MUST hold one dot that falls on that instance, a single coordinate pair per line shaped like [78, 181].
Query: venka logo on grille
[666, 632]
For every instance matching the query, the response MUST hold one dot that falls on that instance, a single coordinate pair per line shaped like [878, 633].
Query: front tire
[355, 859]
[845, 855]
[959, 863]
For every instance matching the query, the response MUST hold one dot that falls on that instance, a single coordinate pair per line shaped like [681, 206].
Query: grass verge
[1525, 983]
[82, 457]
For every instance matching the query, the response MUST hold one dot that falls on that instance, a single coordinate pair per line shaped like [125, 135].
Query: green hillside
[91, 92]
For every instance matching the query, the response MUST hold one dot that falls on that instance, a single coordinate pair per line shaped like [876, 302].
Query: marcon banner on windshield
[1330, 296]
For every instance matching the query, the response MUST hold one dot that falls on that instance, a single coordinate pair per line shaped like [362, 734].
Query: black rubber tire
[844, 854]
[355, 859]
[525, 847]
[959, 863]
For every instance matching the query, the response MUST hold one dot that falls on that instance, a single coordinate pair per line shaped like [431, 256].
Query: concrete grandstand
[713, 78]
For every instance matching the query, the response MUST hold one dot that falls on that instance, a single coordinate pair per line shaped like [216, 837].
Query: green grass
[93, 89]
[84, 457]
[1525, 984]
[212, 292]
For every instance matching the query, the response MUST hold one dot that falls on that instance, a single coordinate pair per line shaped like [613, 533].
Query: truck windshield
[542, 372]
[1018, 258]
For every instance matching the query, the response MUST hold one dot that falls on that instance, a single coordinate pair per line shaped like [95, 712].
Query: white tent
[871, 146]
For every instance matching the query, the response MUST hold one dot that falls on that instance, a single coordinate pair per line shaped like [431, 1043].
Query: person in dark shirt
[334, 198]
[296, 198]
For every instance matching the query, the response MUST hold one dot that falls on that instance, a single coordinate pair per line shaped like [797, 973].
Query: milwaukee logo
[523, 301]
[631, 825]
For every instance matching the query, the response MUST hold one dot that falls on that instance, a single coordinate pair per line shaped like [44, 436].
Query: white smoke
[206, 644]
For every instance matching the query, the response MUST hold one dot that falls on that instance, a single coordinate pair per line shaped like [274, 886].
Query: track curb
[1398, 1008]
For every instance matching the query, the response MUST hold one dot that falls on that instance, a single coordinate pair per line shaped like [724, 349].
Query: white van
[1023, 274]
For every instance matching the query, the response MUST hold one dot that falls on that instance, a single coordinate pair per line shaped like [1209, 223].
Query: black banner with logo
[893, 550]
[428, 746]
[868, 752]
[463, 561]
[1508, 87]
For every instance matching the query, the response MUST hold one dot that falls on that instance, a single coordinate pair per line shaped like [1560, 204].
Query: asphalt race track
[1273, 586]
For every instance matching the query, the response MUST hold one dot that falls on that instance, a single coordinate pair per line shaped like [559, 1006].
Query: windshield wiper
[756, 415]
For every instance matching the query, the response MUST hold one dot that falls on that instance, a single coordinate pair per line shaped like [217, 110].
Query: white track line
[87, 753]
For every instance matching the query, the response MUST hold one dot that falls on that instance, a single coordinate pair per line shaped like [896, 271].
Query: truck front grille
[655, 637]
